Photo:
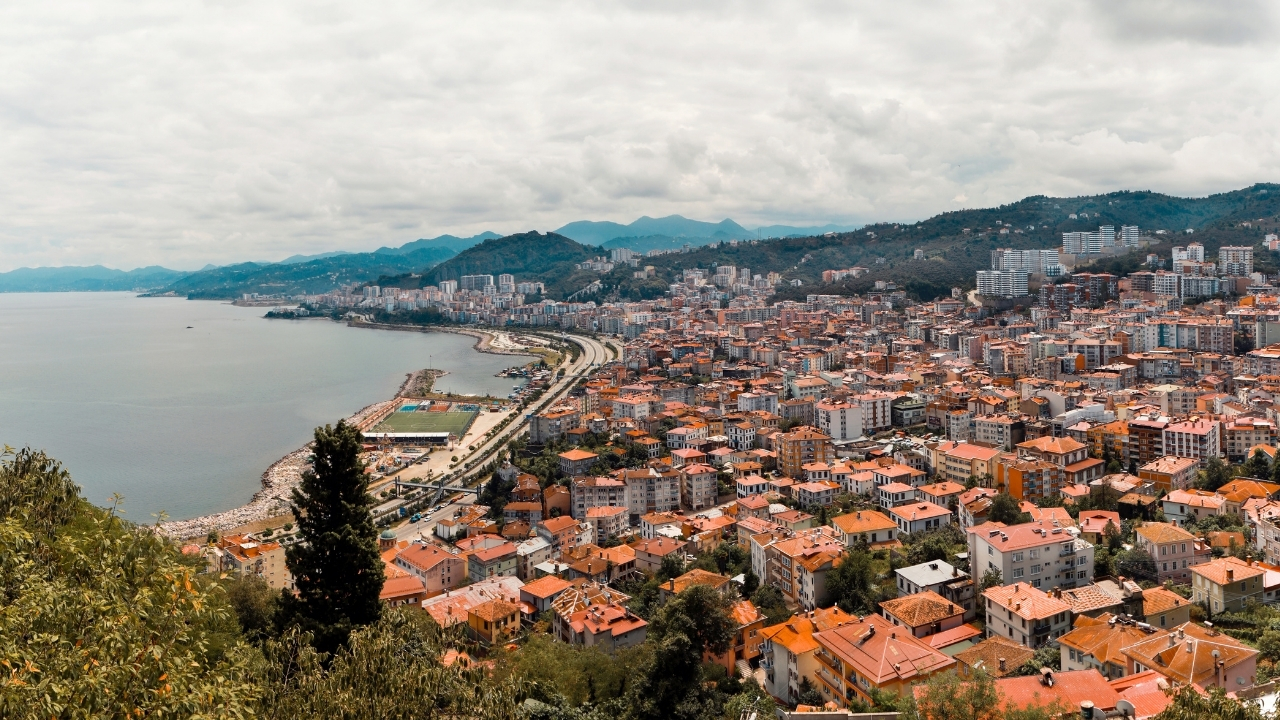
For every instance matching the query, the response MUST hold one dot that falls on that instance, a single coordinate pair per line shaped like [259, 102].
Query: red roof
[1069, 688]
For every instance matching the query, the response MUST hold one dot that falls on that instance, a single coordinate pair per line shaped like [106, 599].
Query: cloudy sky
[182, 133]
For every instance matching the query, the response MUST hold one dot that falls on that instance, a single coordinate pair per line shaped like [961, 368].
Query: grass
[419, 422]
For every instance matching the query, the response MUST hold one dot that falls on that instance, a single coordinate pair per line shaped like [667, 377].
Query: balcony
[1067, 551]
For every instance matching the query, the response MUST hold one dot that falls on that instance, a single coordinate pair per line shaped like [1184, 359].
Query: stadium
[425, 423]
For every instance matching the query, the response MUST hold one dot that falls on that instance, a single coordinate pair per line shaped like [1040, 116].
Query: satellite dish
[1126, 707]
[1099, 714]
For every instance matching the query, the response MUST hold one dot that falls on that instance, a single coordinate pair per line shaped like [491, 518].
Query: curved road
[594, 354]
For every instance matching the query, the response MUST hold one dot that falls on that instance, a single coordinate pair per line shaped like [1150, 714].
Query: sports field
[425, 422]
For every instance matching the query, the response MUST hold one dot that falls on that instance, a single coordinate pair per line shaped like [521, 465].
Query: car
[416, 517]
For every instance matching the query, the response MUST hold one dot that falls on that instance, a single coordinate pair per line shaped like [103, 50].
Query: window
[1080, 561]
[1017, 557]
[1035, 569]
[1017, 572]
[1035, 583]
[1080, 575]
[1035, 554]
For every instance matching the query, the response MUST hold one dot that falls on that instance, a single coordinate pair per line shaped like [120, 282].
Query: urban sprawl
[1088, 471]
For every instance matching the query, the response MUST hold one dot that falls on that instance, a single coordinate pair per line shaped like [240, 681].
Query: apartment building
[1037, 553]
[1026, 615]
[1173, 549]
[1197, 438]
[800, 447]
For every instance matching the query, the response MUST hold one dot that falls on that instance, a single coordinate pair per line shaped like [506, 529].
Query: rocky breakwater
[272, 500]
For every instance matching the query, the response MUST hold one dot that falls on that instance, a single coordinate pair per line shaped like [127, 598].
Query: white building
[1129, 235]
[1037, 553]
[1001, 283]
[1030, 261]
[1235, 260]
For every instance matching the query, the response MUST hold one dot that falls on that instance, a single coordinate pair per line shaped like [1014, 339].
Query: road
[594, 354]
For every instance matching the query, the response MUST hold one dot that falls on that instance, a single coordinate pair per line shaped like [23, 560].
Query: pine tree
[336, 567]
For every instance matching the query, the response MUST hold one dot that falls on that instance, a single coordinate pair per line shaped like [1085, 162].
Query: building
[697, 486]
[553, 424]
[1227, 584]
[1170, 473]
[587, 492]
[1195, 438]
[866, 526]
[248, 557]
[801, 447]
[609, 627]
[1173, 549]
[1025, 615]
[577, 462]
[1036, 553]
[871, 653]
[439, 569]
[494, 621]
[923, 614]
[1236, 260]
[1193, 655]
[919, 516]
[841, 421]
[788, 650]
[1002, 283]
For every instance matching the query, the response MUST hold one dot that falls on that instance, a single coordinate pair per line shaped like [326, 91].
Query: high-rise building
[475, 282]
[622, 255]
[506, 284]
[1235, 260]
[1193, 252]
[1129, 235]
[1030, 261]
[1089, 243]
[1002, 283]
[448, 287]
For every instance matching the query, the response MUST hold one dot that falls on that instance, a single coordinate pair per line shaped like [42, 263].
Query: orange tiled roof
[923, 608]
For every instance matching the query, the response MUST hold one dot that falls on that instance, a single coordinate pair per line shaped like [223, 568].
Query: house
[697, 486]
[561, 532]
[1095, 643]
[438, 568]
[946, 494]
[1025, 615]
[919, 517]
[1227, 584]
[403, 589]
[494, 621]
[1189, 506]
[246, 556]
[788, 650]
[498, 561]
[996, 656]
[577, 462]
[866, 526]
[923, 614]
[894, 494]
[748, 621]
[1170, 473]
[927, 576]
[609, 627]
[675, 586]
[798, 565]
[1191, 654]
[1066, 689]
[1038, 553]
[452, 607]
[1241, 490]
[540, 593]
[858, 656]
[650, 553]
[820, 493]
[1173, 549]
[1164, 608]
[608, 522]
[1093, 524]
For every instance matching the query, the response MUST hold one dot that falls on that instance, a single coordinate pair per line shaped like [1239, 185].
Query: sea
[180, 405]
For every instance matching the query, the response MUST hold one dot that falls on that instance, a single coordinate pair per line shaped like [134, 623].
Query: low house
[1173, 549]
[1025, 615]
[920, 516]
[438, 568]
[494, 621]
[867, 526]
[923, 614]
[996, 656]
[1227, 584]
[1189, 506]
[609, 627]
[577, 462]
[1164, 608]
[1191, 654]
[1095, 643]
[540, 593]
[675, 586]
[858, 656]
[498, 561]
[650, 553]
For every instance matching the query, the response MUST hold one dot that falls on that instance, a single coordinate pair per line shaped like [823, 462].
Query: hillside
[310, 276]
[529, 256]
[86, 279]
[452, 243]
[598, 233]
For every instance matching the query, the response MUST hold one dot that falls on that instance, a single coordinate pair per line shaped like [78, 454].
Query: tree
[668, 684]
[947, 697]
[255, 604]
[749, 583]
[1258, 466]
[852, 582]
[1188, 704]
[770, 601]
[1214, 475]
[1005, 509]
[1137, 564]
[336, 568]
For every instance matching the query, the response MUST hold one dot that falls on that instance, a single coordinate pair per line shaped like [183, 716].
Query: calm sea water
[186, 420]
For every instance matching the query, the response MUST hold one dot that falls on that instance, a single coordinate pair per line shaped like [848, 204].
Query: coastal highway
[594, 353]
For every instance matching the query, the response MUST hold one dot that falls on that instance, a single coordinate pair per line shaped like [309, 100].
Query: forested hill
[549, 258]
[94, 278]
[311, 277]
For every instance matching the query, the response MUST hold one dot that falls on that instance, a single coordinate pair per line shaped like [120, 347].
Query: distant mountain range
[800, 253]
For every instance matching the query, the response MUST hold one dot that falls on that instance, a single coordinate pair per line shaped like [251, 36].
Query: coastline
[279, 480]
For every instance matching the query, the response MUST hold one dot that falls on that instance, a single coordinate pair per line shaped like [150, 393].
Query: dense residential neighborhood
[1075, 494]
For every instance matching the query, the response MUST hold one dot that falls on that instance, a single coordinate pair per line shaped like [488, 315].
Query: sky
[183, 133]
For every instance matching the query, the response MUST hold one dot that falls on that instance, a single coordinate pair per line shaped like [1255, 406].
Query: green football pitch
[425, 422]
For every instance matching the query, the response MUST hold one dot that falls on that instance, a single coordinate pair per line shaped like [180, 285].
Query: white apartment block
[842, 421]
[1129, 235]
[1235, 260]
[1200, 439]
[591, 492]
[1037, 553]
[1001, 283]
[1194, 252]
[1029, 261]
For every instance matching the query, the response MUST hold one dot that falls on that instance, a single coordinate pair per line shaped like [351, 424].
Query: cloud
[183, 133]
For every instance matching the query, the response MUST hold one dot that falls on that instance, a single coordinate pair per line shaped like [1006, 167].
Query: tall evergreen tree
[336, 567]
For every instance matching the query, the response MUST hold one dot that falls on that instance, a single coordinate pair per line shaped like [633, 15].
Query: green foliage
[579, 675]
[390, 669]
[1258, 466]
[668, 683]
[1137, 564]
[1048, 656]
[852, 583]
[1213, 475]
[305, 278]
[941, 543]
[255, 605]
[1188, 704]
[948, 697]
[1005, 509]
[337, 570]
[770, 601]
[101, 618]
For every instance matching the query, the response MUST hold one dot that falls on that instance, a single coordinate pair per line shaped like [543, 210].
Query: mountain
[303, 258]
[549, 258]
[783, 231]
[598, 233]
[451, 242]
[83, 279]
[306, 277]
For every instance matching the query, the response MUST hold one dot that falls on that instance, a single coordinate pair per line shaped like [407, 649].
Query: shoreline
[279, 480]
